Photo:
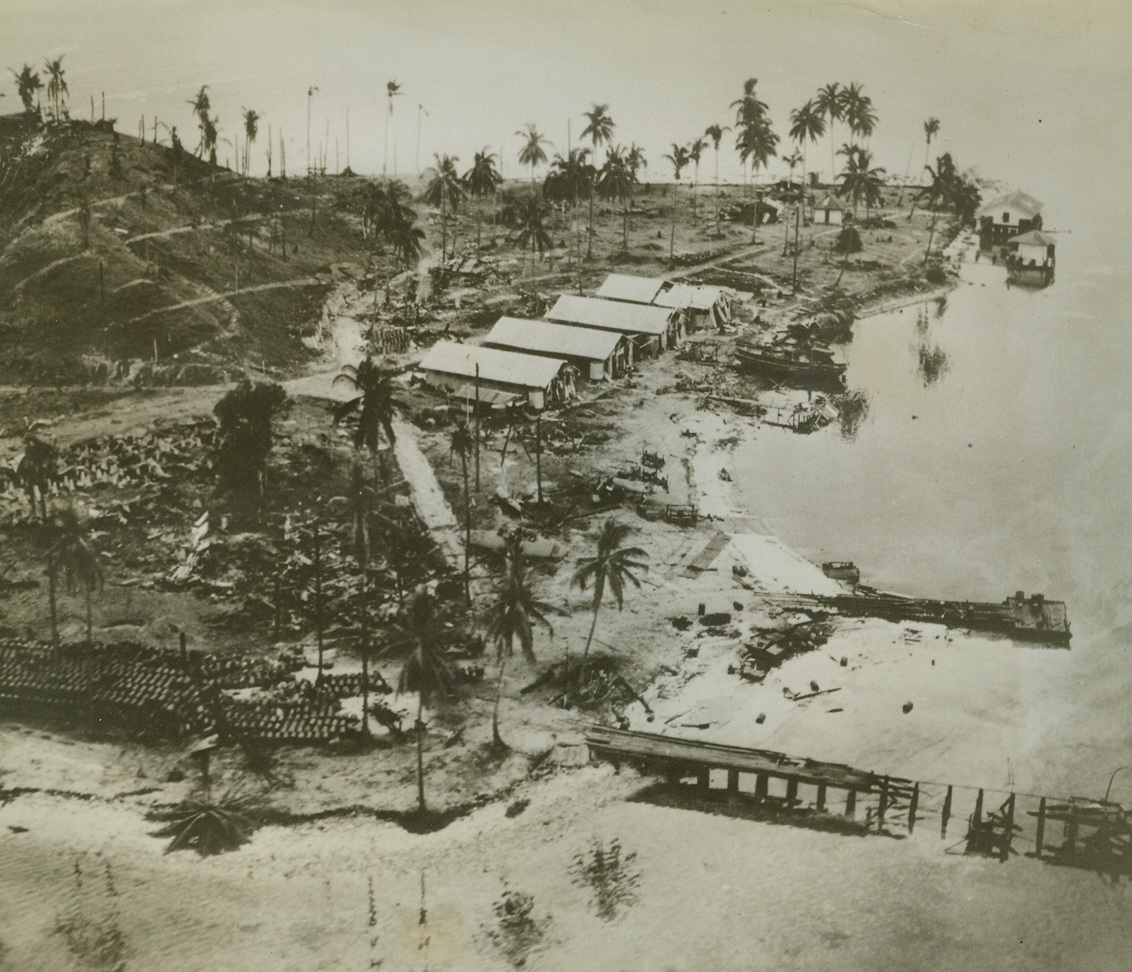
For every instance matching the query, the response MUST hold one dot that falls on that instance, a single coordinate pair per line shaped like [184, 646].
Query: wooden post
[792, 790]
[913, 803]
[978, 818]
[1071, 835]
[538, 455]
[883, 805]
[703, 778]
[477, 417]
[760, 786]
[672, 775]
[850, 804]
[1008, 833]
[946, 814]
[277, 614]
[318, 597]
[732, 781]
[1040, 839]
[821, 796]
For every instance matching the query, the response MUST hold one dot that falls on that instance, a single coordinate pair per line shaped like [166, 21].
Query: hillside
[114, 252]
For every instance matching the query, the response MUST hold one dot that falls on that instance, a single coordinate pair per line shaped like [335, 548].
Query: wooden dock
[1095, 834]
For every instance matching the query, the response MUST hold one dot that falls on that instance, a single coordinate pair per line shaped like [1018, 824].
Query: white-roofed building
[1008, 216]
[651, 328]
[544, 382]
[635, 290]
[828, 211]
[597, 354]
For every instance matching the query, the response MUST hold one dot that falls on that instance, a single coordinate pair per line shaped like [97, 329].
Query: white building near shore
[543, 382]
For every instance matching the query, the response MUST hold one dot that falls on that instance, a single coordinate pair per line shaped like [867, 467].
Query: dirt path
[197, 301]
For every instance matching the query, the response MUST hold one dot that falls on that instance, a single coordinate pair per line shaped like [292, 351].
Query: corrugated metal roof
[559, 339]
[697, 297]
[610, 315]
[829, 202]
[624, 286]
[502, 367]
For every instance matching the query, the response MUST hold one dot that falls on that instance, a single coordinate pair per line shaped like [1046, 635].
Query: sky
[1009, 81]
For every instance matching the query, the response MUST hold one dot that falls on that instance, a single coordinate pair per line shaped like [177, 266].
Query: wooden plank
[1040, 839]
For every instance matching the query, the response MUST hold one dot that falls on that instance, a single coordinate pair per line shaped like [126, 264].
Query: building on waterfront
[652, 329]
[1030, 257]
[1006, 217]
[598, 355]
[703, 305]
[543, 382]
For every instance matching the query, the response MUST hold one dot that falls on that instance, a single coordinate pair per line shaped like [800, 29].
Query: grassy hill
[113, 250]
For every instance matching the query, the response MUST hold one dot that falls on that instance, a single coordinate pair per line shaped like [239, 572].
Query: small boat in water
[809, 366]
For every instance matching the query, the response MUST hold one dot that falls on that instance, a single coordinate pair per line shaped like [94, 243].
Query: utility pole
[421, 111]
[310, 94]
[477, 428]
[797, 239]
[318, 597]
[347, 136]
[538, 456]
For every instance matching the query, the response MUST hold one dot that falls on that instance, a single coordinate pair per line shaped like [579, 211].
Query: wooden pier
[1095, 834]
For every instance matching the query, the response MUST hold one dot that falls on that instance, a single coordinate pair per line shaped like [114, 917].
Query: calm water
[1007, 468]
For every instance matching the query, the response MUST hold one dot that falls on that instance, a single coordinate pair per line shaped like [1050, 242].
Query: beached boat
[842, 570]
[809, 366]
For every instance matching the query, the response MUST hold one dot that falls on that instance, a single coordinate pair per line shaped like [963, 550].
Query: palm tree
[715, 133]
[481, 180]
[568, 180]
[860, 180]
[201, 106]
[511, 618]
[756, 143]
[830, 104]
[749, 108]
[931, 130]
[375, 404]
[36, 471]
[532, 153]
[806, 125]
[27, 84]
[679, 157]
[599, 129]
[57, 89]
[444, 190]
[251, 130]
[615, 181]
[464, 445]
[527, 217]
[392, 89]
[81, 563]
[695, 152]
[612, 565]
[943, 185]
[426, 671]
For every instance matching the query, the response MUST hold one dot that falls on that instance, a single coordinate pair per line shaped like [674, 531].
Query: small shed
[1032, 256]
[596, 354]
[542, 381]
[828, 211]
[703, 305]
[651, 328]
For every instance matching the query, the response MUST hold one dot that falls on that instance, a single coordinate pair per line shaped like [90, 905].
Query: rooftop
[611, 315]
[1021, 201]
[500, 367]
[561, 339]
[1035, 237]
[623, 286]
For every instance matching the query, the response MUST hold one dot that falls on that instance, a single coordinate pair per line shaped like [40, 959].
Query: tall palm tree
[715, 133]
[426, 671]
[757, 144]
[57, 89]
[27, 84]
[680, 158]
[444, 190]
[527, 218]
[830, 104]
[942, 187]
[931, 130]
[695, 153]
[81, 563]
[611, 566]
[201, 105]
[511, 618]
[860, 179]
[806, 125]
[375, 403]
[568, 181]
[464, 445]
[251, 130]
[392, 89]
[532, 153]
[749, 108]
[482, 180]
[599, 129]
[615, 181]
